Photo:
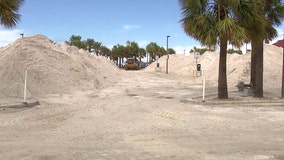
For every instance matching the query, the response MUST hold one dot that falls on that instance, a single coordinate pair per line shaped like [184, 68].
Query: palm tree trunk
[258, 92]
[222, 81]
[253, 64]
[257, 68]
[119, 64]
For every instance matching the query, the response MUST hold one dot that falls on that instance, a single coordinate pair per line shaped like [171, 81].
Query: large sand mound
[238, 67]
[51, 68]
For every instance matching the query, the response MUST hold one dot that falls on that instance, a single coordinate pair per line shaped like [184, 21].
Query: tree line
[119, 52]
[201, 51]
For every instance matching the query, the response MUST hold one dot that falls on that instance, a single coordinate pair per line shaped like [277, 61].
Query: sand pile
[51, 68]
[238, 67]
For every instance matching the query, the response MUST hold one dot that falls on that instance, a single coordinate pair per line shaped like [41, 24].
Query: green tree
[76, 41]
[105, 51]
[90, 44]
[118, 52]
[161, 51]
[9, 15]
[132, 49]
[152, 49]
[171, 51]
[200, 50]
[217, 21]
[142, 53]
[97, 47]
[273, 12]
[231, 51]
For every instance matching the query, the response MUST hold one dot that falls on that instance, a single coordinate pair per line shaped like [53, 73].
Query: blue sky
[108, 21]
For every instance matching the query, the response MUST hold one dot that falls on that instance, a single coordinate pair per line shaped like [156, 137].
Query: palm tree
[142, 53]
[132, 49]
[90, 44]
[273, 12]
[199, 50]
[162, 51]
[97, 47]
[9, 15]
[218, 21]
[105, 51]
[171, 51]
[152, 49]
[118, 53]
[76, 41]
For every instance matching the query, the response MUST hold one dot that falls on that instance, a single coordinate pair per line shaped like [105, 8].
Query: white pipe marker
[25, 88]
[203, 96]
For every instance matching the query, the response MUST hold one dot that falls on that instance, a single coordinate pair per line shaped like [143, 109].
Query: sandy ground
[145, 116]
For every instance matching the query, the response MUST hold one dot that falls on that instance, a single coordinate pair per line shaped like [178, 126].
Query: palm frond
[9, 15]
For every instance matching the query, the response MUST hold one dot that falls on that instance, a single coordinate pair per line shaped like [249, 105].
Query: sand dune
[51, 68]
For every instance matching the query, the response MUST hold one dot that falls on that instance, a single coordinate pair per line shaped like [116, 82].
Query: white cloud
[130, 27]
[8, 36]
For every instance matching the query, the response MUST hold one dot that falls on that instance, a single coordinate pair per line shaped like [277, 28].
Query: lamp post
[167, 61]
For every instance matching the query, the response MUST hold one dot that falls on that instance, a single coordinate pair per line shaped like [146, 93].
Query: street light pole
[167, 61]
